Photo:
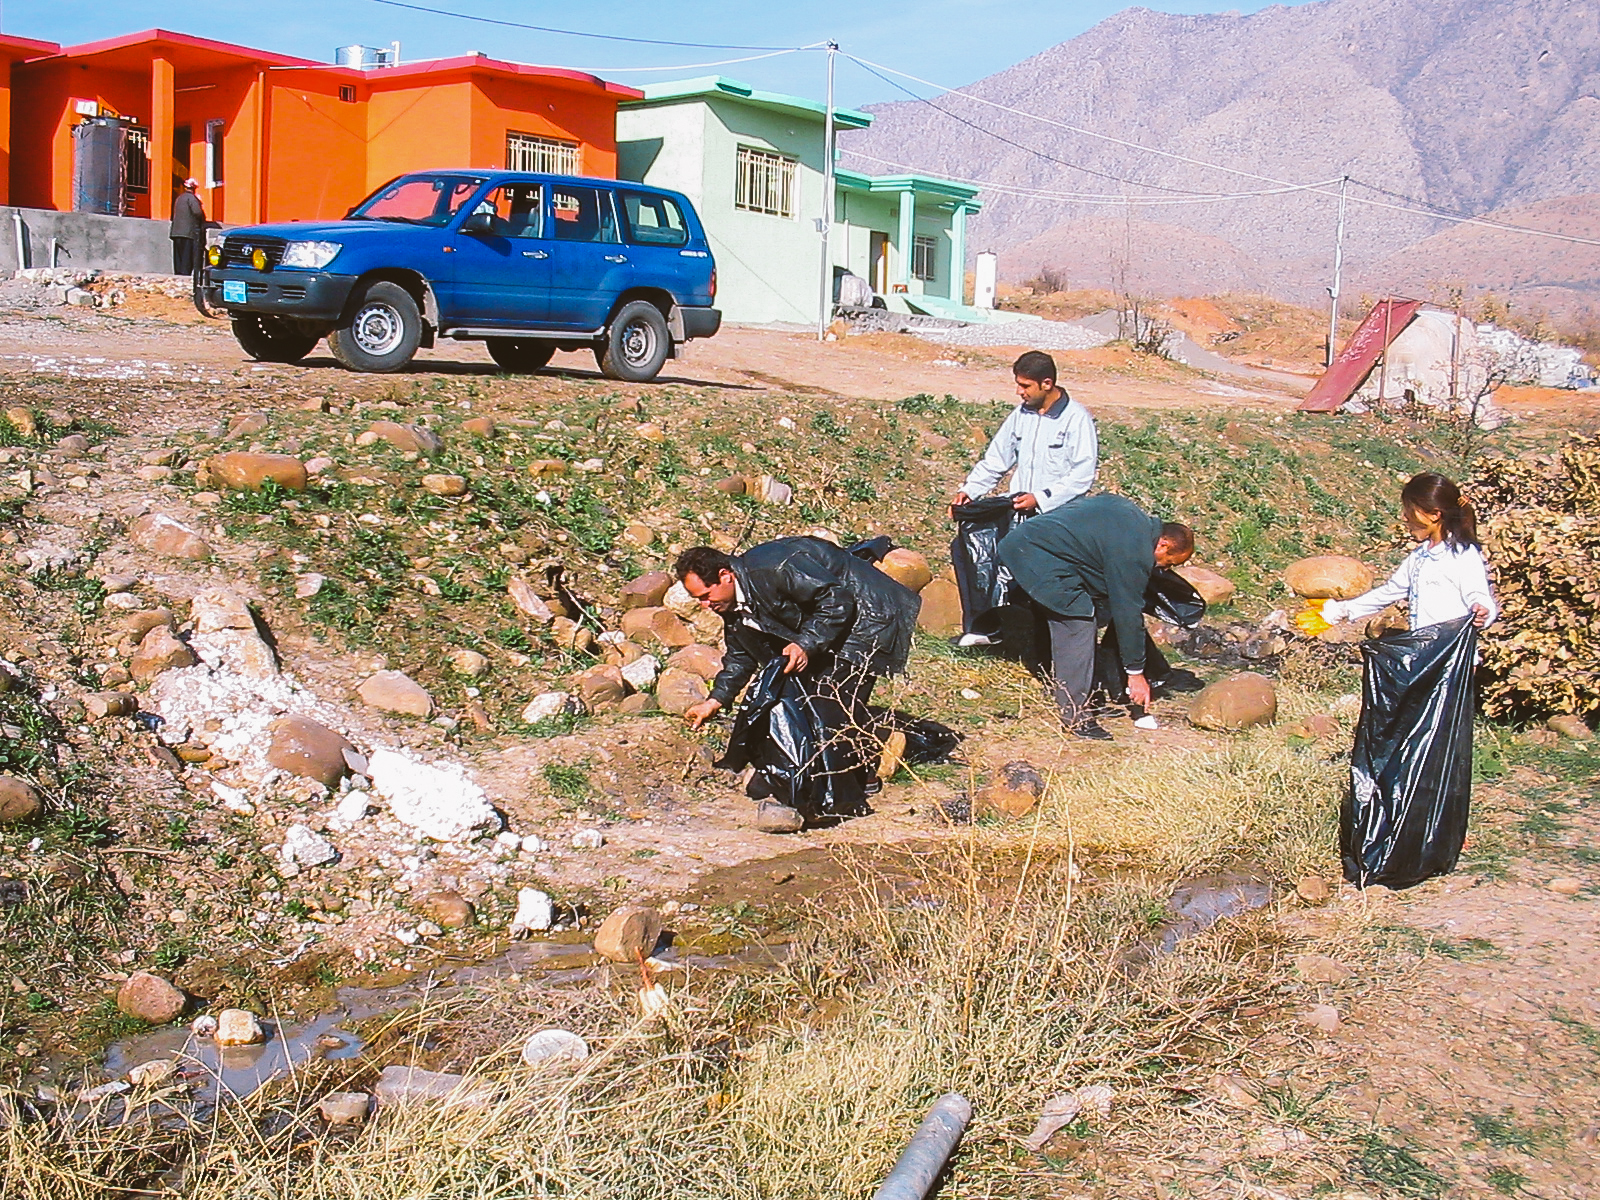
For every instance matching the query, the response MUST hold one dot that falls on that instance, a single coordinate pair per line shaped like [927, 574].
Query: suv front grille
[237, 250]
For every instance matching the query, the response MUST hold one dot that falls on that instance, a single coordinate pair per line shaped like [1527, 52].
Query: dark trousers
[185, 255]
[1071, 665]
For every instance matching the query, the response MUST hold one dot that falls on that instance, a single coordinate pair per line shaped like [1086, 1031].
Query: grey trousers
[1071, 664]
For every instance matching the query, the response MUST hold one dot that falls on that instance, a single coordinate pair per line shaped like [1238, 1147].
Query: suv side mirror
[478, 223]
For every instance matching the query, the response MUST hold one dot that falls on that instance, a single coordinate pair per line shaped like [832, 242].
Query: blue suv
[529, 264]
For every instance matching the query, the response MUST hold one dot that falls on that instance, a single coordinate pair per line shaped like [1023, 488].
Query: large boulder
[18, 800]
[310, 750]
[941, 609]
[1235, 702]
[647, 591]
[1328, 577]
[160, 534]
[629, 934]
[159, 650]
[244, 472]
[907, 567]
[704, 661]
[1213, 588]
[656, 624]
[409, 439]
[396, 692]
[677, 691]
[147, 997]
[601, 688]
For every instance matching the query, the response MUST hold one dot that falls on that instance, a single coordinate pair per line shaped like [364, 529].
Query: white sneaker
[976, 639]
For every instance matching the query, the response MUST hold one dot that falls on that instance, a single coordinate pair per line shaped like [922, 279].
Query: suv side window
[581, 214]
[515, 210]
[654, 220]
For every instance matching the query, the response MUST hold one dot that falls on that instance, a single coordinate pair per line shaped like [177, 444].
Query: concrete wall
[767, 267]
[88, 241]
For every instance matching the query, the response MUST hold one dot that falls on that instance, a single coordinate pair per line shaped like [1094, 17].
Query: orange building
[275, 138]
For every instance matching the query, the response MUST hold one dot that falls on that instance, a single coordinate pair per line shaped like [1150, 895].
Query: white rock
[153, 1073]
[232, 798]
[534, 844]
[308, 585]
[204, 1026]
[535, 912]
[304, 847]
[509, 840]
[352, 807]
[680, 602]
[641, 672]
[239, 1027]
[406, 937]
[971, 694]
[543, 707]
[588, 839]
[437, 800]
[428, 929]
[123, 602]
[550, 1046]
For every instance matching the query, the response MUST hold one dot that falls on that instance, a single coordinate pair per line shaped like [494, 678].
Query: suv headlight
[309, 254]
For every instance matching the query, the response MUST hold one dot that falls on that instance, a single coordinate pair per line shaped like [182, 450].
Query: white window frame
[214, 157]
[764, 182]
[925, 257]
[540, 155]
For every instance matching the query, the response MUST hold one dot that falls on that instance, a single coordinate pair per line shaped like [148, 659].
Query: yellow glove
[1310, 620]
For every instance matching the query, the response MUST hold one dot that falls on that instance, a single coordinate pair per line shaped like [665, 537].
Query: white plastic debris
[550, 1046]
[1060, 1111]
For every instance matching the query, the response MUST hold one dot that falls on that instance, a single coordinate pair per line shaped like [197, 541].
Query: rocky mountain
[1473, 105]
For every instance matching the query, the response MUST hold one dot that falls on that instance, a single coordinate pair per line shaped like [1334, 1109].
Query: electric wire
[603, 37]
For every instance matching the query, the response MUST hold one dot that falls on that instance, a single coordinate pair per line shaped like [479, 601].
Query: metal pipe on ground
[930, 1148]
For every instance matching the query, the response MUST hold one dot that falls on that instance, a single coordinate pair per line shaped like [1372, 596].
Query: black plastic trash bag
[809, 753]
[1172, 598]
[1405, 817]
[795, 738]
[872, 549]
[984, 583]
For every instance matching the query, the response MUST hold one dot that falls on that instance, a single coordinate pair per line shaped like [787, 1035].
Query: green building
[753, 161]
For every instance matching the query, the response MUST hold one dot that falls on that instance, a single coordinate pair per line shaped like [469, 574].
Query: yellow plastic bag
[1310, 620]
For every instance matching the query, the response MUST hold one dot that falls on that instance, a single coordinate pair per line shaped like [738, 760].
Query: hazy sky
[948, 41]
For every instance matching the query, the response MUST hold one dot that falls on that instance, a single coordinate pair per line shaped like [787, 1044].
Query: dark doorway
[182, 137]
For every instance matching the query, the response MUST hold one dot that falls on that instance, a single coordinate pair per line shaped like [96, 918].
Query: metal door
[500, 265]
[590, 265]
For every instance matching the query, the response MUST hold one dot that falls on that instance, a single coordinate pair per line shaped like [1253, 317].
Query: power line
[1003, 138]
[1097, 197]
[1418, 207]
[603, 37]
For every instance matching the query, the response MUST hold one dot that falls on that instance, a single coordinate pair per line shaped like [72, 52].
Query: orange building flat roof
[15, 49]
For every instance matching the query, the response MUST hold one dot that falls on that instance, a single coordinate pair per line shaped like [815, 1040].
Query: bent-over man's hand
[798, 659]
[959, 499]
[1025, 502]
[1480, 615]
[1139, 690]
[700, 713]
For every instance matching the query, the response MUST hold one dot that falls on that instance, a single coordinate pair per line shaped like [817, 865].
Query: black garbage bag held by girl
[1405, 817]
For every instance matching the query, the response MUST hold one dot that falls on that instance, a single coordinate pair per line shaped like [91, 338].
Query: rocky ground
[315, 680]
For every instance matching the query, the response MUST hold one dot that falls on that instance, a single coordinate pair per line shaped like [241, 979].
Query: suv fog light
[258, 260]
[214, 256]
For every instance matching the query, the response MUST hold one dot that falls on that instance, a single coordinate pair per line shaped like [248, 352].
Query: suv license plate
[234, 291]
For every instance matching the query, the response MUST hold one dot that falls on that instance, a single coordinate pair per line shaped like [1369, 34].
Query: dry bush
[1542, 540]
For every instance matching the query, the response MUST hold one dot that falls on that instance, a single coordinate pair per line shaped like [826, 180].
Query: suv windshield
[418, 199]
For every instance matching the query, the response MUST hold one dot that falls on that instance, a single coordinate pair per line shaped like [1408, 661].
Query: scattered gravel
[1042, 335]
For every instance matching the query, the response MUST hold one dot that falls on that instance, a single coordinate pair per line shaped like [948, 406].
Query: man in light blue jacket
[1048, 443]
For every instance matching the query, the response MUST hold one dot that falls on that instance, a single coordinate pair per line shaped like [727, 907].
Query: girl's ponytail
[1458, 524]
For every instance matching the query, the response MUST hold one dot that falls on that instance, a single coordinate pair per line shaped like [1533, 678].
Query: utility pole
[1338, 270]
[825, 222]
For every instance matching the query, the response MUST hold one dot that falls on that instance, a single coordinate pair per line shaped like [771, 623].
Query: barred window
[924, 252]
[765, 183]
[545, 156]
[136, 152]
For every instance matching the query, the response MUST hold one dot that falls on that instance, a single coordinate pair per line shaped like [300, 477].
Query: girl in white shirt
[1443, 578]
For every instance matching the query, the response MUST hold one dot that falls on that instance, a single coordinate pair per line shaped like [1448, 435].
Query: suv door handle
[535, 254]
[616, 258]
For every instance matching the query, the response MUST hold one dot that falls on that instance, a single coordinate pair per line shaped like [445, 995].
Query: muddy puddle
[736, 923]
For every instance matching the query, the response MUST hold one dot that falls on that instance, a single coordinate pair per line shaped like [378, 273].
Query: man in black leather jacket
[832, 615]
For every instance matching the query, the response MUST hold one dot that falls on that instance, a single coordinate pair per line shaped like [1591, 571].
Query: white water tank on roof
[367, 58]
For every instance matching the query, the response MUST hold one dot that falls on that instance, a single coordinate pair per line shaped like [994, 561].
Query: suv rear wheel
[636, 345]
[268, 339]
[521, 356]
[383, 331]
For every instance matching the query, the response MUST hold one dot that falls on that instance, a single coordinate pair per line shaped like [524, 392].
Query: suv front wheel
[636, 345]
[383, 331]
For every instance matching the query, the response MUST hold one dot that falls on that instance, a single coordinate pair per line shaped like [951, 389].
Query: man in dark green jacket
[1093, 553]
